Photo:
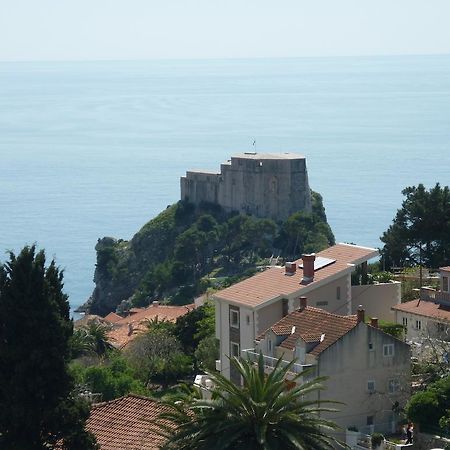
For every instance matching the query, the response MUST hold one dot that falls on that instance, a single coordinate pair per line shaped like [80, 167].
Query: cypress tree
[38, 408]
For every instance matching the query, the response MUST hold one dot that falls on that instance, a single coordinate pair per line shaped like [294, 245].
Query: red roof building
[125, 329]
[125, 423]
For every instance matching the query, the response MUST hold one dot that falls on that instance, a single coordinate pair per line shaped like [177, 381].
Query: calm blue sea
[96, 149]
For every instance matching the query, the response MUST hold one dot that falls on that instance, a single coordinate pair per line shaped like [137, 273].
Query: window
[445, 284]
[388, 350]
[248, 319]
[234, 318]
[371, 386]
[321, 304]
[269, 345]
[234, 349]
[338, 293]
[418, 324]
[284, 307]
[393, 386]
[405, 321]
[369, 420]
[370, 346]
[441, 328]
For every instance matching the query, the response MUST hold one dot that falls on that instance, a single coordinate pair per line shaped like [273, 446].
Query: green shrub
[376, 439]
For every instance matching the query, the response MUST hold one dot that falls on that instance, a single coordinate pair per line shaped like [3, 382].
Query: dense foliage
[429, 406]
[157, 357]
[38, 405]
[263, 414]
[420, 232]
[177, 254]
[109, 378]
[161, 355]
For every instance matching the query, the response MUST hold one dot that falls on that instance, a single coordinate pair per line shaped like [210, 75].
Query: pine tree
[37, 406]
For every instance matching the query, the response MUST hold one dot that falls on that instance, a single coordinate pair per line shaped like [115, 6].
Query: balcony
[431, 295]
[270, 363]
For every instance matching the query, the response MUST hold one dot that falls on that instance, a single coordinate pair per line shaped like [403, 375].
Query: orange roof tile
[425, 308]
[274, 283]
[124, 423]
[112, 317]
[313, 325]
[120, 334]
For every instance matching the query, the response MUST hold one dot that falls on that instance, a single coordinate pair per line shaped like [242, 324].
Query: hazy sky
[144, 29]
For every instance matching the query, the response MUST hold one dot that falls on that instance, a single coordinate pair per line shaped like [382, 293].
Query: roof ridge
[123, 397]
[324, 311]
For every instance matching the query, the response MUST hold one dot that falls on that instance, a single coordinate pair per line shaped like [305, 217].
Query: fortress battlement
[272, 185]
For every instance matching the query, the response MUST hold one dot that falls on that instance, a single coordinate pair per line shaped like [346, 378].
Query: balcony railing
[430, 295]
[270, 362]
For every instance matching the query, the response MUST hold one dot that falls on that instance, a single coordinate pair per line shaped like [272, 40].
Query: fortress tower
[272, 185]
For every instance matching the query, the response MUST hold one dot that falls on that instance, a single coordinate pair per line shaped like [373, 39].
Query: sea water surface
[93, 149]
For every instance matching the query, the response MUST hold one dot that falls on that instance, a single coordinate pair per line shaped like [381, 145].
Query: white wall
[328, 294]
[377, 299]
[426, 328]
[247, 335]
[268, 315]
[350, 364]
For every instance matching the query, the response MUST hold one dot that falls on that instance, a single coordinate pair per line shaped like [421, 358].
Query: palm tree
[80, 342]
[97, 335]
[262, 414]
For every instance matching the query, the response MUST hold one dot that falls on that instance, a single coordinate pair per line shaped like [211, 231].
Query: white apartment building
[368, 370]
[248, 308]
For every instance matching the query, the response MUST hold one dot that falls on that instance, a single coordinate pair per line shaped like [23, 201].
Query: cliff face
[177, 254]
[122, 264]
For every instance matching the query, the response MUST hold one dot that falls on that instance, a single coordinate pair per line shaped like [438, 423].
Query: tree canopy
[36, 390]
[420, 232]
[174, 253]
[429, 406]
[262, 414]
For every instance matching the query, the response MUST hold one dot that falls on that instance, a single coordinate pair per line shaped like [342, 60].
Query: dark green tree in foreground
[263, 414]
[420, 231]
[37, 405]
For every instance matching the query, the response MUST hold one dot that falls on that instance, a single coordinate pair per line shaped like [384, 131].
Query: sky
[41, 30]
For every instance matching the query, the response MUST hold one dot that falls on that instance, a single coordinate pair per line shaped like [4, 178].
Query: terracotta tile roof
[120, 334]
[310, 325]
[112, 317]
[425, 309]
[274, 283]
[123, 424]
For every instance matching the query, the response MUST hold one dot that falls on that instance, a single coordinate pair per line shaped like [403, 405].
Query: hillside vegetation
[185, 249]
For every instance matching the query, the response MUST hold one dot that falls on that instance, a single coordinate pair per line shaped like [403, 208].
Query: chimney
[290, 268]
[360, 314]
[303, 303]
[374, 322]
[130, 329]
[308, 266]
[155, 303]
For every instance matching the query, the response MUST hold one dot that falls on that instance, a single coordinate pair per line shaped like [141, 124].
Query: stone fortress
[270, 185]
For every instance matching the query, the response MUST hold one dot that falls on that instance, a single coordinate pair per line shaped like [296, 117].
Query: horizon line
[224, 58]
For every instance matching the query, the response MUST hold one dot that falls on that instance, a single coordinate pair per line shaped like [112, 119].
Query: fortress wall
[261, 185]
[199, 186]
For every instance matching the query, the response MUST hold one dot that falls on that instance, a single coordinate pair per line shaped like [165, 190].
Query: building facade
[429, 315]
[246, 309]
[367, 370]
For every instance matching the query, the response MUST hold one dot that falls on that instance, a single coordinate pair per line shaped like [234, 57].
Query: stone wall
[264, 185]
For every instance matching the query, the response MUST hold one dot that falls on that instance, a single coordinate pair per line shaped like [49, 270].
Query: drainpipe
[318, 375]
[254, 327]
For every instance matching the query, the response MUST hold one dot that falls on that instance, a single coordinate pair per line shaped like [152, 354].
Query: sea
[93, 149]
